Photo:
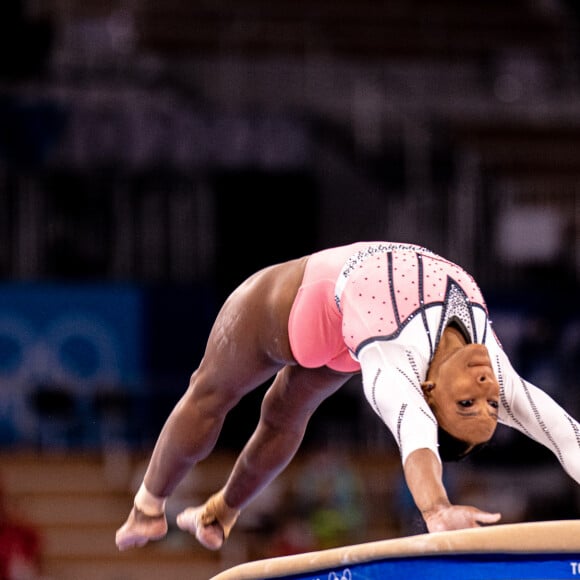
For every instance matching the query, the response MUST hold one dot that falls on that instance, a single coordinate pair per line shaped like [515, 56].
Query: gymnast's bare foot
[139, 529]
[210, 523]
[209, 535]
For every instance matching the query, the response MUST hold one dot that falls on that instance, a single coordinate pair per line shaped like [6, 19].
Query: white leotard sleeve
[392, 385]
[532, 411]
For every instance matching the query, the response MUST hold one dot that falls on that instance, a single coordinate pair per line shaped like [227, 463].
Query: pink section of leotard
[378, 298]
[315, 325]
[375, 299]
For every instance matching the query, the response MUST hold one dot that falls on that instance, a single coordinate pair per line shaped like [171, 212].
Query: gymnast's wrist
[151, 505]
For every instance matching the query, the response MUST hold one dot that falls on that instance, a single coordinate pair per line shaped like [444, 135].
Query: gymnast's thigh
[241, 351]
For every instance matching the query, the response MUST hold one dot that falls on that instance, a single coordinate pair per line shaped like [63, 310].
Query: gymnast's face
[465, 395]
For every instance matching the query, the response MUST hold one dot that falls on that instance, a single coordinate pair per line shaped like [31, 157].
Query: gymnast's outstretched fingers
[458, 517]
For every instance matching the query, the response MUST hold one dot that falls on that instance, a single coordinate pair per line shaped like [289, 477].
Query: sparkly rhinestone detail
[399, 423]
[507, 408]
[392, 288]
[374, 394]
[574, 426]
[457, 308]
[542, 424]
[414, 367]
[356, 260]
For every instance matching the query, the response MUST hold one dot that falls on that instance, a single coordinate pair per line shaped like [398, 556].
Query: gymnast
[412, 322]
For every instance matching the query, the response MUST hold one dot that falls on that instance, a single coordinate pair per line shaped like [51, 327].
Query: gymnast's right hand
[140, 529]
[458, 517]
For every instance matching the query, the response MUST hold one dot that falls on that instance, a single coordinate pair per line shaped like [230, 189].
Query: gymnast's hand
[458, 517]
[140, 529]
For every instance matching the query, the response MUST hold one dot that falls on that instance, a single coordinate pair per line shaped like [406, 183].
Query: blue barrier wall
[75, 340]
[83, 362]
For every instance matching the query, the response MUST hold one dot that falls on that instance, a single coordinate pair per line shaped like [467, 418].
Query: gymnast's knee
[213, 399]
[276, 415]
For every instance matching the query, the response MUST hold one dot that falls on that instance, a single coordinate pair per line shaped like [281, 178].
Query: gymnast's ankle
[217, 510]
[149, 504]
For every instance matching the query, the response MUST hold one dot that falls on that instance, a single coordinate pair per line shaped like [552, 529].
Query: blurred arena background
[154, 153]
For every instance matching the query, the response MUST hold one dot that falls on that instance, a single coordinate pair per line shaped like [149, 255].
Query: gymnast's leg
[247, 345]
[287, 407]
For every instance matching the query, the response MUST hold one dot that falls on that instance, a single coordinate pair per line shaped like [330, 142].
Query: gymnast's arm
[394, 393]
[424, 476]
[532, 411]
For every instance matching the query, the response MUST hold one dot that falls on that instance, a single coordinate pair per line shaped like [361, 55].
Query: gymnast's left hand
[458, 517]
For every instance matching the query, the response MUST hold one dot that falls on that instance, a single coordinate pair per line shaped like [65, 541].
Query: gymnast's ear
[427, 387]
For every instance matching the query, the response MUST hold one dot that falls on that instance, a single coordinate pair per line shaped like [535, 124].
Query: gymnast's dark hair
[453, 449]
